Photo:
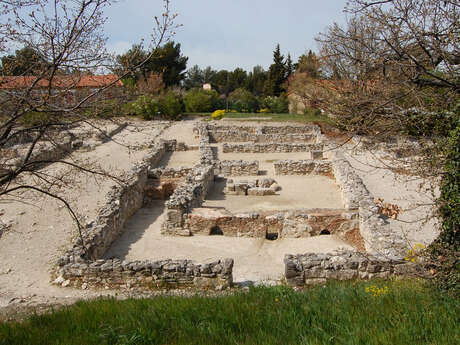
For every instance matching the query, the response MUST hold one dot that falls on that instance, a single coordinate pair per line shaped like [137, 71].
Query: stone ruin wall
[189, 195]
[86, 268]
[262, 134]
[303, 167]
[287, 224]
[378, 237]
[237, 168]
[313, 268]
[271, 148]
[235, 136]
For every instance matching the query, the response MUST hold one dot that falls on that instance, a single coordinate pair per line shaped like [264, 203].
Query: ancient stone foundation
[82, 264]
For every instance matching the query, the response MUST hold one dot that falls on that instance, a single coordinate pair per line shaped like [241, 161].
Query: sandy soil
[255, 259]
[416, 224]
[297, 192]
[41, 227]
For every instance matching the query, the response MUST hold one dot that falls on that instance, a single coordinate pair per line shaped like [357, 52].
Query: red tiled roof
[61, 82]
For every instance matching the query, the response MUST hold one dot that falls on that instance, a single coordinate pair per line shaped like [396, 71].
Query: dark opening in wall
[216, 231]
[271, 236]
[325, 232]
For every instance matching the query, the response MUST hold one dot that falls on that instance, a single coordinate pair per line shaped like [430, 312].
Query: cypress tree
[276, 74]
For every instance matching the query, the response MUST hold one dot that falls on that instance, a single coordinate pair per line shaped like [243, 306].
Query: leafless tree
[68, 36]
[395, 64]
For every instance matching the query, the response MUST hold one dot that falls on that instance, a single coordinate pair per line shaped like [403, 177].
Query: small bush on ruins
[360, 313]
[218, 114]
[198, 100]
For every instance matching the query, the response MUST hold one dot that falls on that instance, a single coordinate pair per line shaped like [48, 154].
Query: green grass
[339, 313]
[309, 117]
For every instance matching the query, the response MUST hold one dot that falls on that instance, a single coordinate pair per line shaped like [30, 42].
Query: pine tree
[289, 66]
[276, 74]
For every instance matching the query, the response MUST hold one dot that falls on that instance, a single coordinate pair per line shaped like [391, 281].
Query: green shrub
[146, 106]
[428, 124]
[171, 105]
[201, 101]
[277, 105]
[167, 106]
[243, 101]
[445, 250]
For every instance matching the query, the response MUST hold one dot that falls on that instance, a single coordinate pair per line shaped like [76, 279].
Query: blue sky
[226, 34]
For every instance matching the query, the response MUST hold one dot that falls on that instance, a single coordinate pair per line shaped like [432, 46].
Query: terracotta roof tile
[62, 82]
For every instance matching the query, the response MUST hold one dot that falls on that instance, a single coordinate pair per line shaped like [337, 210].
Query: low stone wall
[215, 127]
[169, 172]
[271, 148]
[237, 168]
[306, 129]
[258, 187]
[115, 273]
[303, 167]
[207, 155]
[313, 268]
[289, 224]
[230, 135]
[189, 195]
[379, 238]
[286, 138]
[351, 185]
[235, 136]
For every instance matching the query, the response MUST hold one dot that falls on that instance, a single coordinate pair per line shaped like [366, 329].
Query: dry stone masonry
[270, 147]
[303, 167]
[313, 268]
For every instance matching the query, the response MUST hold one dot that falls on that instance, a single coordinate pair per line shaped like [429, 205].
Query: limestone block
[260, 191]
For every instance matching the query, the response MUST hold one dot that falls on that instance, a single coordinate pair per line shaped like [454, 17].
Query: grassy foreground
[402, 312]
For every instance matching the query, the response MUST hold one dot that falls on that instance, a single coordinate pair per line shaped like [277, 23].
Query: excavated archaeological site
[213, 204]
